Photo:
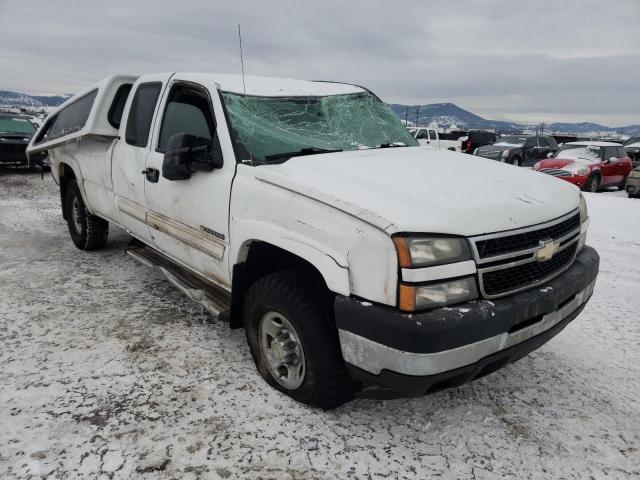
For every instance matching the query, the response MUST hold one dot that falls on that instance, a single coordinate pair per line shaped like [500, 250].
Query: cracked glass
[267, 127]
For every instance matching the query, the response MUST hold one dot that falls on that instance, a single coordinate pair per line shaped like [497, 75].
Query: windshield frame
[241, 152]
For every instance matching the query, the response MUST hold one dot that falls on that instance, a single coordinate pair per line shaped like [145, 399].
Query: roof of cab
[595, 144]
[270, 86]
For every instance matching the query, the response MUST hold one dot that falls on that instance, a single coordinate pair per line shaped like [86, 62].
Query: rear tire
[592, 184]
[87, 231]
[287, 314]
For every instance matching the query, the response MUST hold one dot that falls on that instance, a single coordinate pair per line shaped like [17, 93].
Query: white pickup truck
[307, 214]
[430, 138]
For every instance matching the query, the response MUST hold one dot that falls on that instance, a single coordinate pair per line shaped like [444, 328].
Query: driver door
[189, 219]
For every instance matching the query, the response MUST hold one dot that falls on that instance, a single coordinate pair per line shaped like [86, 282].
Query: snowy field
[107, 371]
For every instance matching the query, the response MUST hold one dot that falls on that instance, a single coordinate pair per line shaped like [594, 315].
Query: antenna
[244, 87]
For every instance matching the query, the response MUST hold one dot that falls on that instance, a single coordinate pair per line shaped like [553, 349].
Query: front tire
[294, 340]
[87, 231]
[592, 184]
[516, 162]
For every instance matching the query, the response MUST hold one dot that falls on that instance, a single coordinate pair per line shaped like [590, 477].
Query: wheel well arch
[258, 259]
[65, 174]
[596, 171]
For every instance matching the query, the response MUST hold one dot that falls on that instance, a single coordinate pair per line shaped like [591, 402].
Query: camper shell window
[70, 119]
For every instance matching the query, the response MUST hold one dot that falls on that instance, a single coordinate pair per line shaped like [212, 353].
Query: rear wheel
[87, 231]
[592, 184]
[294, 340]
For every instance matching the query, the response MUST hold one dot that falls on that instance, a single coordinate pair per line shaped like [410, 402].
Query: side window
[608, 152]
[543, 142]
[187, 111]
[117, 106]
[621, 152]
[141, 113]
[530, 143]
[432, 135]
[422, 135]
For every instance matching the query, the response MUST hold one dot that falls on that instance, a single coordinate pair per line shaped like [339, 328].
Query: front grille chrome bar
[522, 257]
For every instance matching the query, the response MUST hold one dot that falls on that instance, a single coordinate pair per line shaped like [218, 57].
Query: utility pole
[417, 111]
[406, 117]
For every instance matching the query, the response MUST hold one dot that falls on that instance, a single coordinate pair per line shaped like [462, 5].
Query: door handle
[152, 174]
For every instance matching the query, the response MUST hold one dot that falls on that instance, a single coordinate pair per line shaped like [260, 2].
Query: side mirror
[550, 154]
[187, 154]
[612, 159]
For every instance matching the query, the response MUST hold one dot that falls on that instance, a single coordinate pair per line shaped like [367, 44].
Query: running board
[198, 289]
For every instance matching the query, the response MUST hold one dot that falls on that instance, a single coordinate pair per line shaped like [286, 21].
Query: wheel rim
[282, 350]
[75, 214]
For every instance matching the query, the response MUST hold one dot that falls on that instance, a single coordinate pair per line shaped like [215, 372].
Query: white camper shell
[94, 111]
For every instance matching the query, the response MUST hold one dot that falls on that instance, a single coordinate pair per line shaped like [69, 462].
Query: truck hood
[563, 163]
[412, 189]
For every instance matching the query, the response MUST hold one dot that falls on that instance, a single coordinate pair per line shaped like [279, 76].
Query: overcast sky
[569, 60]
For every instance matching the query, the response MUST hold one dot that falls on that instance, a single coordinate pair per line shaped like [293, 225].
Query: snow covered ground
[107, 371]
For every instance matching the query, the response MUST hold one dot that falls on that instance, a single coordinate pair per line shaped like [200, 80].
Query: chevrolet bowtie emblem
[547, 250]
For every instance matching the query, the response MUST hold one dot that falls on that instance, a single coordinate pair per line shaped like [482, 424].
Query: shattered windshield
[269, 128]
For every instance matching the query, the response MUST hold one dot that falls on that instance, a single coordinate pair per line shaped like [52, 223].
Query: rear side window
[117, 106]
[141, 113]
[432, 134]
[476, 137]
[71, 118]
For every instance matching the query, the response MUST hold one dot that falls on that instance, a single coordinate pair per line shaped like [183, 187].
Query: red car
[589, 165]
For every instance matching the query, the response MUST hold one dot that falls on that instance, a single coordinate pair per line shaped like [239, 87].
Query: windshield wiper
[301, 152]
[392, 145]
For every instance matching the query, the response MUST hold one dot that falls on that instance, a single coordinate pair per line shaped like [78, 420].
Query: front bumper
[576, 180]
[418, 353]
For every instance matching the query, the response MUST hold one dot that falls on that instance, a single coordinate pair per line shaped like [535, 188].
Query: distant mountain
[17, 99]
[52, 100]
[448, 114]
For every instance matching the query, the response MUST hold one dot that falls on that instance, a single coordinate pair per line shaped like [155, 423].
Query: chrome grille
[507, 262]
[556, 172]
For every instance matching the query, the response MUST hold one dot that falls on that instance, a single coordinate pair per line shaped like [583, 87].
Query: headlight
[421, 297]
[582, 171]
[584, 214]
[505, 153]
[536, 166]
[429, 251]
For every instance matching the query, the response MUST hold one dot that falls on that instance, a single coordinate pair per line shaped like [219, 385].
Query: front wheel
[592, 184]
[87, 231]
[294, 340]
[517, 162]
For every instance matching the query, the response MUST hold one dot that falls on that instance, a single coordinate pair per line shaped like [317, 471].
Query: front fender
[331, 264]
